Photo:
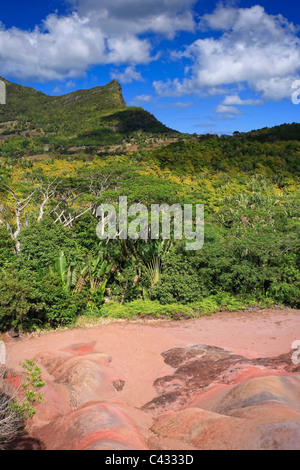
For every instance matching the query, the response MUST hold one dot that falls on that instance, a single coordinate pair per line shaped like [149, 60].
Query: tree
[20, 205]
[93, 274]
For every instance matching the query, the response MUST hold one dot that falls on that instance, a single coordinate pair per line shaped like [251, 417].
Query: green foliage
[249, 184]
[31, 386]
[61, 267]
[14, 300]
[143, 309]
[176, 311]
[6, 248]
[34, 123]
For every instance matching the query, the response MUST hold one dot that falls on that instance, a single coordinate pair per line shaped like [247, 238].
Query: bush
[14, 300]
[29, 302]
[153, 309]
[150, 309]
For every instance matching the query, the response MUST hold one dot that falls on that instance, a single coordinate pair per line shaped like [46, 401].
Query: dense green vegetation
[53, 267]
[33, 123]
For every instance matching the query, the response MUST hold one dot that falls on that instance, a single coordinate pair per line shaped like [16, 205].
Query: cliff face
[115, 86]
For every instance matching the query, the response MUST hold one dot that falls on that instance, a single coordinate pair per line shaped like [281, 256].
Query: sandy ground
[136, 347]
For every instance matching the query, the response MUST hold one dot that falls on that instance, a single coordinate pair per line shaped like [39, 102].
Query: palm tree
[93, 273]
[149, 258]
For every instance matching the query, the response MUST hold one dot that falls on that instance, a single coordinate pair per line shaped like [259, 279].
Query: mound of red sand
[224, 382]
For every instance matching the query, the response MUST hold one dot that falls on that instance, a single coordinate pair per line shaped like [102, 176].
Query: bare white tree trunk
[48, 192]
[2, 353]
[37, 186]
[21, 205]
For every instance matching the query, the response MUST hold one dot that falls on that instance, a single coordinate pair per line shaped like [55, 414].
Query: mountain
[284, 132]
[93, 117]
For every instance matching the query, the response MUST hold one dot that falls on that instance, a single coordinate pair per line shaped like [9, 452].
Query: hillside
[283, 132]
[31, 121]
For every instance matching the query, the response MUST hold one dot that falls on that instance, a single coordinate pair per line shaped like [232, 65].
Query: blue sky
[198, 66]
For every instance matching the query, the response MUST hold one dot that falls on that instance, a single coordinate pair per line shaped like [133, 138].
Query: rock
[179, 356]
[265, 427]
[86, 379]
[2, 353]
[83, 372]
[52, 360]
[57, 403]
[259, 414]
[259, 391]
[198, 428]
[199, 367]
[213, 400]
[96, 426]
[13, 333]
[118, 385]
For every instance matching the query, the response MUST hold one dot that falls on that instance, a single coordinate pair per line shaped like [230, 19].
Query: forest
[54, 270]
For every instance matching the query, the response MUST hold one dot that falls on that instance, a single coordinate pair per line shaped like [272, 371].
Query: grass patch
[153, 309]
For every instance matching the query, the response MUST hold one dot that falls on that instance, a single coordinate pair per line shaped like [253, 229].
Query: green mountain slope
[283, 132]
[94, 117]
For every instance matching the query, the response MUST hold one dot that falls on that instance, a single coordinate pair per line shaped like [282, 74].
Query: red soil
[119, 367]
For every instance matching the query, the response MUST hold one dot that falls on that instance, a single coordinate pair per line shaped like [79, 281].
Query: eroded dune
[220, 382]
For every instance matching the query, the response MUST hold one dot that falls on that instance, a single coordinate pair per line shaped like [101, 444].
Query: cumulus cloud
[95, 33]
[65, 48]
[129, 75]
[235, 100]
[255, 48]
[136, 16]
[144, 98]
[141, 100]
[221, 109]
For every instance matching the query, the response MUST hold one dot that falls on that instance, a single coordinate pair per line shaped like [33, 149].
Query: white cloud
[70, 84]
[145, 98]
[140, 99]
[235, 100]
[256, 48]
[96, 33]
[178, 104]
[66, 48]
[129, 75]
[226, 117]
[221, 109]
[138, 16]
